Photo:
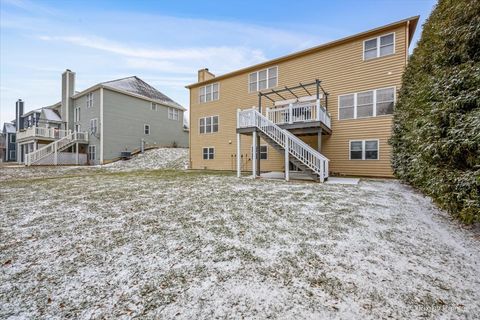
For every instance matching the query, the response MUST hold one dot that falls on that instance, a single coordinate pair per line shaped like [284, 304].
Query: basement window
[208, 153]
[263, 152]
[364, 150]
[92, 150]
[146, 129]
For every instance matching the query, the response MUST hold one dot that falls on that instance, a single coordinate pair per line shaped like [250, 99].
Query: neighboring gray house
[9, 136]
[95, 125]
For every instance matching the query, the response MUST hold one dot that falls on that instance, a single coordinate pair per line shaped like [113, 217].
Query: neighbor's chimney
[18, 114]
[204, 75]
[68, 90]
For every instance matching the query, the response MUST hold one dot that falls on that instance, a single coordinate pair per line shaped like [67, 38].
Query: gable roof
[51, 115]
[9, 127]
[138, 86]
[410, 22]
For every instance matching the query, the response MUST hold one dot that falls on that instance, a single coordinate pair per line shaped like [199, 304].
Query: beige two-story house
[326, 110]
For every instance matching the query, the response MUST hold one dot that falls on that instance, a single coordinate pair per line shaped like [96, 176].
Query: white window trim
[374, 103]
[205, 92]
[94, 120]
[90, 148]
[208, 152]
[89, 99]
[11, 138]
[174, 112]
[258, 72]
[363, 149]
[378, 46]
[211, 124]
[145, 127]
[76, 114]
[262, 145]
[153, 106]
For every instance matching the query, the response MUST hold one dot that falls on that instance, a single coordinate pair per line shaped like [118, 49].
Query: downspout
[258, 136]
[102, 125]
[407, 42]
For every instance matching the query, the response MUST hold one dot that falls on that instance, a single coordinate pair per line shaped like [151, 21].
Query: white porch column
[290, 113]
[318, 109]
[76, 151]
[319, 140]
[239, 169]
[322, 167]
[287, 162]
[254, 154]
[55, 156]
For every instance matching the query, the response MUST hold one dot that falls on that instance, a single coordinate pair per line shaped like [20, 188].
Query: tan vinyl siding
[342, 70]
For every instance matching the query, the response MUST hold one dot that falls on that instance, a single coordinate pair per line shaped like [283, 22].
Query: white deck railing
[55, 147]
[42, 132]
[299, 112]
[297, 148]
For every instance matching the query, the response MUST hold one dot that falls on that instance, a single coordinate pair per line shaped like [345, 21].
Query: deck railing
[299, 112]
[55, 147]
[251, 118]
[42, 132]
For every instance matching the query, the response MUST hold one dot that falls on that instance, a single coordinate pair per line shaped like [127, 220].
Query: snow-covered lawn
[161, 158]
[165, 244]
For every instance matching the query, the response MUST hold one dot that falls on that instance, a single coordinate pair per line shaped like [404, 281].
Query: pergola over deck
[300, 109]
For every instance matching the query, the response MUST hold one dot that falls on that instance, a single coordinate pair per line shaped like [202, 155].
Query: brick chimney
[68, 90]
[19, 105]
[204, 75]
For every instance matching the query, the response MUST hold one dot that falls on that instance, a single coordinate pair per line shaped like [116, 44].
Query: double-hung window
[146, 129]
[263, 152]
[209, 124]
[76, 114]
[92, 152]
[93, 126]
[385, 101]
[364, 150]
[172, 113]
[379, 46]
[263, 79]
[208, 153]
[89, 99]
[153, 106]
[13, 138]
[365, 104]
[208, 93]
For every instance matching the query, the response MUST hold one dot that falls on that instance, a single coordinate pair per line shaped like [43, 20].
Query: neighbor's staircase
[301, 154]
[56, 147]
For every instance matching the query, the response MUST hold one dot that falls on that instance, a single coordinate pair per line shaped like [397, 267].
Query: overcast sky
[165, 42]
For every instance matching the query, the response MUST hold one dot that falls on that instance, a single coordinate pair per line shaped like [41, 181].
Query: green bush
[436, 132]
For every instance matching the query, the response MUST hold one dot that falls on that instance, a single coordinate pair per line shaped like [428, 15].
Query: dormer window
[379, 46]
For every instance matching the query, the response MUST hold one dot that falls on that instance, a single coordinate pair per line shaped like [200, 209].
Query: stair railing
[310, 157]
